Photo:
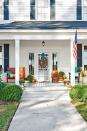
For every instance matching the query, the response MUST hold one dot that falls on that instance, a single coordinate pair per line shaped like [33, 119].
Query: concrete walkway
[47, 108]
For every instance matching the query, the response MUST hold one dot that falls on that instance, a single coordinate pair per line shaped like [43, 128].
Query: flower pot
[61, 79]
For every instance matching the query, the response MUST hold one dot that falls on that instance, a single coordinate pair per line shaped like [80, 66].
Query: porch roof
[28, 25]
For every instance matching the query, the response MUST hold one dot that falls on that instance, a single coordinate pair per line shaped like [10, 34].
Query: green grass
[10, 95]
[7, 111]
[79, 98]
[82, 109]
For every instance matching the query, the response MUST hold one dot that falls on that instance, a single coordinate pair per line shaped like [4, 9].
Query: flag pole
[73, 58]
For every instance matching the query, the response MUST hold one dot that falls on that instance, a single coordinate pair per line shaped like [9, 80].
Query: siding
[19, 10]
[1, 9]
[65, 10]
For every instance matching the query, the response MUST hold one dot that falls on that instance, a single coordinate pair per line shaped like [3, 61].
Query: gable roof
[45, 25]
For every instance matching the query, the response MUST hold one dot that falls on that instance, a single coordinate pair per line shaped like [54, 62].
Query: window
[52, 9]
[32, 9]
[85, 55]
[84, 9]
[43, 10]
[1, 57]
[6, 9]
[85, 48]
[31, 63]
[79, 9]
[54, 60]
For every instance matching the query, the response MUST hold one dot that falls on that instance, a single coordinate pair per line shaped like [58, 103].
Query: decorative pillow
[12, 75]
[9, 73]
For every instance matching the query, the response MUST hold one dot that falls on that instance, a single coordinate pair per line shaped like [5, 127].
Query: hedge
[10, 92]
[79, 92]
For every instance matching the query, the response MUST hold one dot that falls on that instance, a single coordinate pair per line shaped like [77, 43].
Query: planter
[55, 76]
[61, 79]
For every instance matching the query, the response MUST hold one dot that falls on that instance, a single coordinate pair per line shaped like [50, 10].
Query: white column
[17, 61]
[50, 65]
[72, 60]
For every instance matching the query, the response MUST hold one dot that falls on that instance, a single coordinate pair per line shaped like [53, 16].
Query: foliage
[10, 92]
[7, 111]
[2, 84]
[83, 73]
[79, 92]
[22, 82]
[30, 78]
[82, 108]
[61, 73]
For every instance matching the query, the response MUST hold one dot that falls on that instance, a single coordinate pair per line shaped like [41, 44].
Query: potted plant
[55, 76]
[83, 76]
[61, 76]
[31, 79]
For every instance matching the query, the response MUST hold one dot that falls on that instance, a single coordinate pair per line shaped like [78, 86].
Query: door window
[31, 63]
[54, 61]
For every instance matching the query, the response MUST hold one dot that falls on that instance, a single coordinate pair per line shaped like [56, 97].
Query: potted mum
[83, 76]
[61, 76]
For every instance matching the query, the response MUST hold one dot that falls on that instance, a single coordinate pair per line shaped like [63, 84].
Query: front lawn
[82, 108]
[79, 98]
[7, 111]
[10, 95]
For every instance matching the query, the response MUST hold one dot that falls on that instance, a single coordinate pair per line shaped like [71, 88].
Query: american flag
[75, 46]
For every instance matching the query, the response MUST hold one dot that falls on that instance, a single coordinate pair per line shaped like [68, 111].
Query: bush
[10, 92]
[79, 92]
[61, 73]
[22, 82]
[30, 78]
[2, 84]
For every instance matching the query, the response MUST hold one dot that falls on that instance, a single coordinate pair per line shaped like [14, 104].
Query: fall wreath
[43, 63]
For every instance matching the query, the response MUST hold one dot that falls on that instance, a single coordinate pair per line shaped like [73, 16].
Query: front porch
[25, 49]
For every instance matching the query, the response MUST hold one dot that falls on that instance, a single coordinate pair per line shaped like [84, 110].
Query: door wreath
[43, 63]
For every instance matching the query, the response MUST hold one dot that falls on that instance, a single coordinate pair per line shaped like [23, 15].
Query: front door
[43, 67]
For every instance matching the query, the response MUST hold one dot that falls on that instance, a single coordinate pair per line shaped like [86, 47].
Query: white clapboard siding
[65, 9]
[19, 10]
[1, 10]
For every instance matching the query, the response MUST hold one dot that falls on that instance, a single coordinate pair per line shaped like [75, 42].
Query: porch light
[43, 43]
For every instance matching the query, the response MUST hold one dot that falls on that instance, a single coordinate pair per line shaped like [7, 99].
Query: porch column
[72, 61]
[17, 61]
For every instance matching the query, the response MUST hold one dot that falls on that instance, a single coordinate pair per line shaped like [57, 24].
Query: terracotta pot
[61, 78]
[54, 73]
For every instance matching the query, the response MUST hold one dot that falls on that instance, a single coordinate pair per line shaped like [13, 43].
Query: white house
[30, 27]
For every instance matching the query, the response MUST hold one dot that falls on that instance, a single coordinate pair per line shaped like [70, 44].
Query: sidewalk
[47, 109]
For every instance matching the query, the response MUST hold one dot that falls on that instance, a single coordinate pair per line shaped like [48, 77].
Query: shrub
[84, 98]
[79, 92]
[61, 73]
[2, 84]
[30, 78]
[10, 92]
[22, 82]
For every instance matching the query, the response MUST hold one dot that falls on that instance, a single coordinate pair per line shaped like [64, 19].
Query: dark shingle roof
[45, 25]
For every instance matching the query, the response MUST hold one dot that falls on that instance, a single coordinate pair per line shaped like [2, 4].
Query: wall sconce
[43, 43]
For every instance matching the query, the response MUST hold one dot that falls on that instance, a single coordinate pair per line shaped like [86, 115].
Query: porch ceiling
[45, 25]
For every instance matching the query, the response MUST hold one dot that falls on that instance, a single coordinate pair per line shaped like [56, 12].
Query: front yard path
[47, 108]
